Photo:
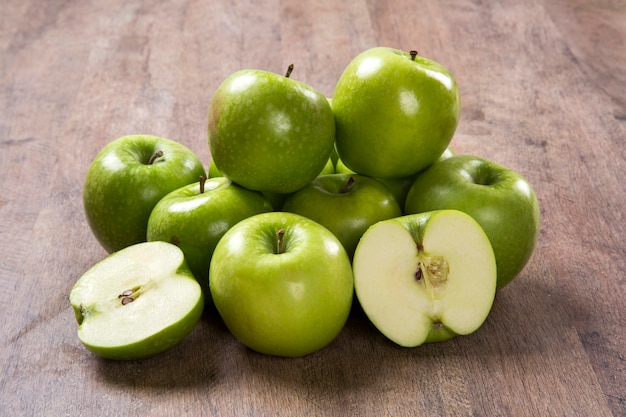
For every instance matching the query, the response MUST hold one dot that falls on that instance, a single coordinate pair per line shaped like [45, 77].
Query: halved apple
[137, 302]
[425, 277]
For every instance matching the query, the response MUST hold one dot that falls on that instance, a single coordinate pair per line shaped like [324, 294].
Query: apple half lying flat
[137, 302]
[425, 277]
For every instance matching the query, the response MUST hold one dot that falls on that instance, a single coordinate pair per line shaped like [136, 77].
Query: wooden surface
[543, 87]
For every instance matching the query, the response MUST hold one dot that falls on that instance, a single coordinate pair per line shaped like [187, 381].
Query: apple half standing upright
[501, 200]
[268, 132]
[395, 113]
[425, 277]
[137, 302]
[126, 180]
[282, 283]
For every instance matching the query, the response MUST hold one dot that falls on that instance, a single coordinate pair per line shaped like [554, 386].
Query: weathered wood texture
[543, 91]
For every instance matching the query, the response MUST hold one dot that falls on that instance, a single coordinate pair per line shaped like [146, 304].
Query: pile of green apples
[311, 204]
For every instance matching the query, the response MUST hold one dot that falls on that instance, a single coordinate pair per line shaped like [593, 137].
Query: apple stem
[289, 69]
[202, 180]
[348, 185]
[413, 55]
[279, 242]
[154, 156]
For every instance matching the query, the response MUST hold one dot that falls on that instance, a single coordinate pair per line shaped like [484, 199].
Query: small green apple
[425, 277]
[346, 204]
[137, 302]
[501, 200]
[282, 283]
[395, 112]
[126, 180]
[196, 216]
[268, 132]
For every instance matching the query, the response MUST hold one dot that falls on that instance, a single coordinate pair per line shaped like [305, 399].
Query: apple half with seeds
[425, 277]
[137, 302]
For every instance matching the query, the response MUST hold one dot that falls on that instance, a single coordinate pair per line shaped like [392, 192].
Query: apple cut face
[137, 302]
[425, 277]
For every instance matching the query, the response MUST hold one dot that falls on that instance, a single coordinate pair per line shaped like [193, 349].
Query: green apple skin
[289, 302]
[268, 132]
[456, 286]
[195, 221]
[394, 115]
[121, 187]
[346, 204]
[501, 200]
[167, 302]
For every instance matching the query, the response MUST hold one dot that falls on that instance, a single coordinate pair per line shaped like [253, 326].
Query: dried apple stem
[348, 185]
[154, 156]
[289, 69]
[202, 180]
[413, 55]
[280, 235]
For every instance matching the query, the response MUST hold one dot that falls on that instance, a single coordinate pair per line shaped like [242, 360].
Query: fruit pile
[311, 204]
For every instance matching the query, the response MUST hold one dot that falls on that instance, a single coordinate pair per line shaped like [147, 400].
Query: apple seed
[419, 273]
[127, 300]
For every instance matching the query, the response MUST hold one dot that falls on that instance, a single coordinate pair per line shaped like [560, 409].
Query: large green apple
[501, 200]
[137, 302]
[395, 113]
[346, 204]
[126, 180]
[196, 216]
[425, 277]
[268, 132]
[282, 283]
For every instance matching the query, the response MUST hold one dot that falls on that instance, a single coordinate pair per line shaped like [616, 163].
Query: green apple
[126, 180]
[282, 283]
[425, 277]
[196, 216]
[398, 186]
[501, 200]
[268, 132]
[395, 113]
[137, 302]
[346, 204]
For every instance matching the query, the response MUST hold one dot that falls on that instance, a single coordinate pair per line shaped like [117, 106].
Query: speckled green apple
[126, 180]
[395, 112]
[425, 277]
[196, 216]
[346, 204]
[269, 132]
[501, 200]
[137, 302]
[282, 283]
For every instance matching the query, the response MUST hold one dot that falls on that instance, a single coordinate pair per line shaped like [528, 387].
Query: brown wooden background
[543, 87]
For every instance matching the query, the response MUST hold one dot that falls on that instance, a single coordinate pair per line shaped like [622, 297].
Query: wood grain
[542, 87]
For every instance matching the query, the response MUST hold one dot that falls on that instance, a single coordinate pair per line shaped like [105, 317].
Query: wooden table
[543, 87]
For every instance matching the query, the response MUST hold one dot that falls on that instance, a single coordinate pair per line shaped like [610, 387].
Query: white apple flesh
[137, 302]
[425, 277]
